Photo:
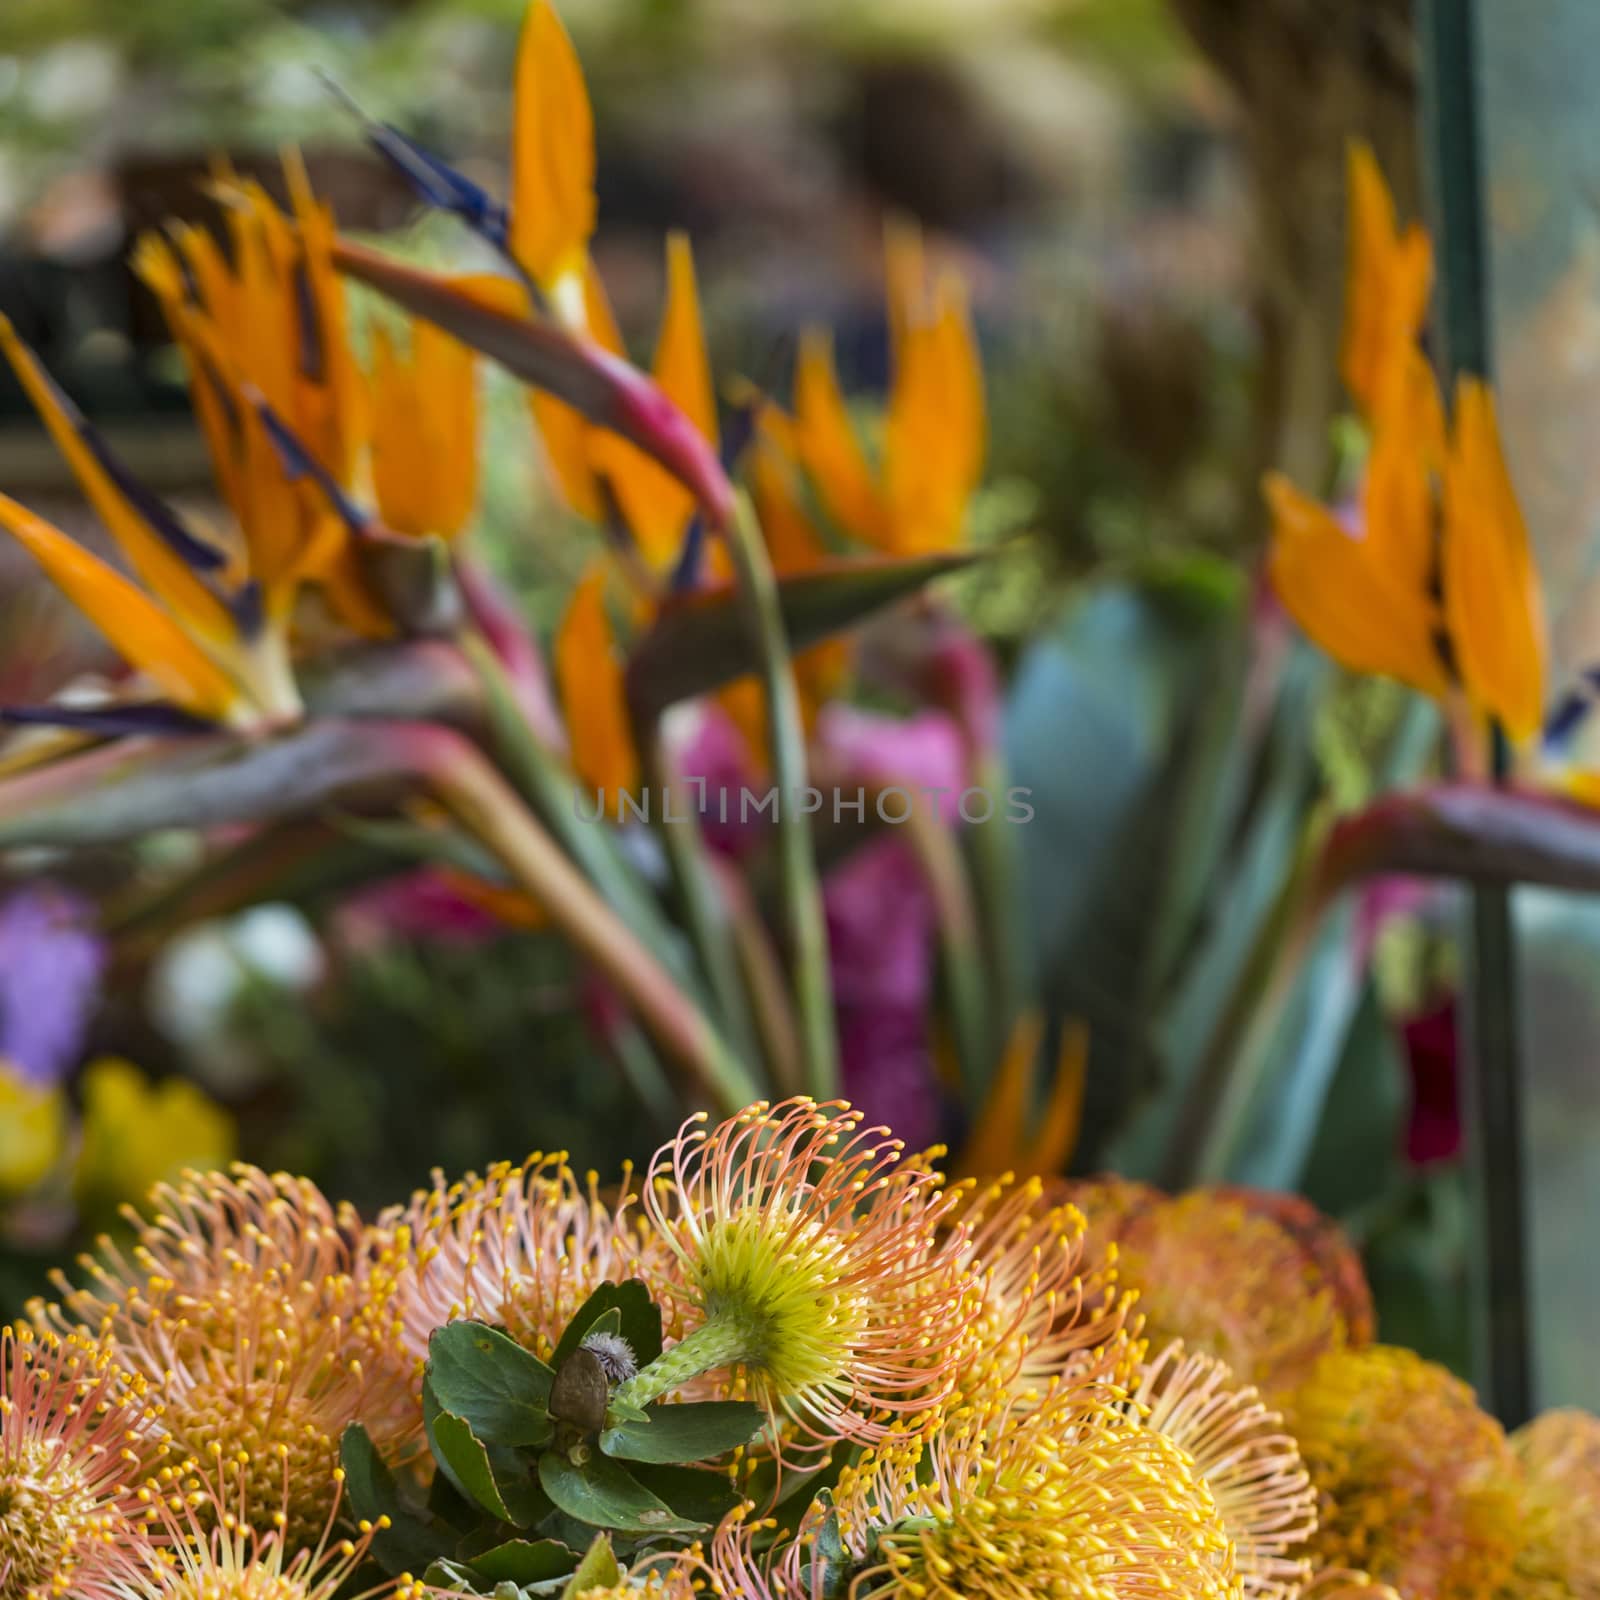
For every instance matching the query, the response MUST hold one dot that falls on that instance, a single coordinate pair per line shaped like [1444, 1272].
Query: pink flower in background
[425, 904]
[713, 752]
[52, 960]
[922, 752]
[881, 925]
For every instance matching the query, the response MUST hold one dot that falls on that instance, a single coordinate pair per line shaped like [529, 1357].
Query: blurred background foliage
[1152, 235]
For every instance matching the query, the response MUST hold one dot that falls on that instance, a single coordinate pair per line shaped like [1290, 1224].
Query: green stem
[485, 804]
[719, 1342]
[802, 890]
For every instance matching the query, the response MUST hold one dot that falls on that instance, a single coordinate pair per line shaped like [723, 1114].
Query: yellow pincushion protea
[521, 1247]
[1416, 1485]
[1072, 1501]
[1247, 1460]
[1560, 1554]
[808, 1260]
[238, 1303]
[1043, 1310]
[75, 1431]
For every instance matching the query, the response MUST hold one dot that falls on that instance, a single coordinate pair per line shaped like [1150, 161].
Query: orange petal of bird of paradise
[1360, 610]
[827, 443]
[161, 568]
[1010, 1135]
[1389, 277]
[552, 155]
[1491, 585]
[589, 677]
[572, 444]
[655, 505]
[424, 431]
[934, 427]
[144, 635]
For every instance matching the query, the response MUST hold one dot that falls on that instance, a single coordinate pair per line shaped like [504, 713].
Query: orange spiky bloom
[75, 1433]
[934, 427]
[1437, 586]
[807, 1259]
[1415, 1484]
[1231, 1283]
[1248, 1461]
[1560, 1554]
[208, 1540]
[521, 1247]
[1072, 1501]
[1328, 1248]
[238, 1301]
[1044, 1313]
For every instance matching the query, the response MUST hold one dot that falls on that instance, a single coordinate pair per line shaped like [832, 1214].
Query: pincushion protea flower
[521, 1247]
[1072, 1501]
[74, 1432]
[1339, 1583]
[1043, 1311]
[1416, 1485]
[1560, 1555]
[204, 1543]
[807, 1258]
[1231, 1283]
[238, 1301]
[1250, 1464]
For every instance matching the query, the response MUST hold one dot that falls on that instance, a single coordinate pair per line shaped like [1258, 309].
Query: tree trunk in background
[1310, 75]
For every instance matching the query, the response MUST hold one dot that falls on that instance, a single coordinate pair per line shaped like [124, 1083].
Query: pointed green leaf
[523, 1561]
[492, 1478]
[604, 1495]
[693, 1431]
[704, 1496]
[639, 1320]
[701, 640]
[597, 1570]
[499, 1389]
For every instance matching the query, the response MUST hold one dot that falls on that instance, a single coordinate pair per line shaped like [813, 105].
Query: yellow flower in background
[1560, 1555]
[914, 500]
[1431, 580]
[1417, 1486]
[33, 1132]
[137, 1134]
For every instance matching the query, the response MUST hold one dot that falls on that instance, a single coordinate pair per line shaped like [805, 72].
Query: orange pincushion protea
[1560, 1555]
[1416, 1485]
[1250, 1464]
[74, 1432]
[521, 1247]
[238, 1302]
[808, 1259]
[1212, 1271]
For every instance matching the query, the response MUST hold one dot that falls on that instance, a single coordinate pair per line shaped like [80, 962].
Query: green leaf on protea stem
[691, 1431]
[501, 1391]
[493, 1478]
[597, 1570]
[605, 1495]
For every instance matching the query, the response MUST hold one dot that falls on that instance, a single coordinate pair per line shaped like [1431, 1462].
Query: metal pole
[1450, 40]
